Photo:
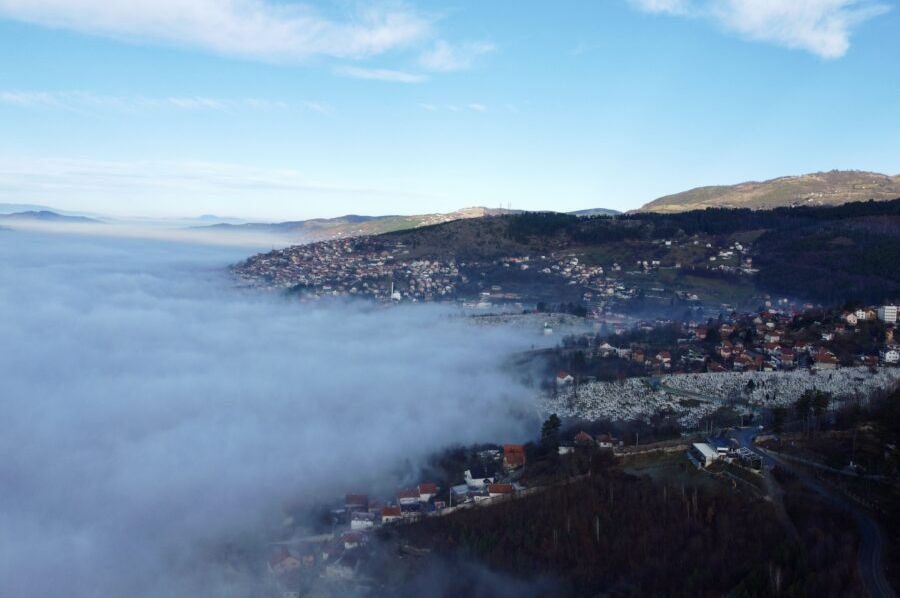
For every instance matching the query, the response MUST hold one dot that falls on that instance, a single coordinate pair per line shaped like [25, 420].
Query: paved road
[871, 539]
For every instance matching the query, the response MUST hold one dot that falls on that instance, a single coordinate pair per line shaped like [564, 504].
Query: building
[887, 313]
[495, 490]
[356, 502]
[702, 454]
[513, 456]
[389, 514]
[427, 491]
[408, 497]
[361, 520]
[564, 379]
[477, 477]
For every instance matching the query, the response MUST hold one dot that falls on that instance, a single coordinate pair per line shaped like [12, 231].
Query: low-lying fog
[149, 408]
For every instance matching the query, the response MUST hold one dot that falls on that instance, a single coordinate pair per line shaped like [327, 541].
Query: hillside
[818, 189]
[351, 225]
[45, 216]
[718, 258]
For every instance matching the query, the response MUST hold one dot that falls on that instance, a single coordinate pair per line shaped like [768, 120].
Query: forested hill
[816, 189]
[828, 254]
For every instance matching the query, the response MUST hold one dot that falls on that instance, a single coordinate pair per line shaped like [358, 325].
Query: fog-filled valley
[152, 409]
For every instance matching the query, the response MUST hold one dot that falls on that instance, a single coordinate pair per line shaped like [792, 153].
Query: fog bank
[149, 407]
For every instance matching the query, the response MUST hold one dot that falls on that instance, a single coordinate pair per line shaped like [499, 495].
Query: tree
[778, 416]
[550, 434]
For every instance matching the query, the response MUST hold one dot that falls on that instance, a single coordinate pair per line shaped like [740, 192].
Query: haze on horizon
[295, 110]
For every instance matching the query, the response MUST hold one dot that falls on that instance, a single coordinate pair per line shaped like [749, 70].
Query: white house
[891, 356]
[477, 477]
[362, 520]
[887, 313]
[702, 454]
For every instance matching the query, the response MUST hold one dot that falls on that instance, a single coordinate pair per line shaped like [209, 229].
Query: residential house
[390, 514]
[427, 491]
[283, 561]
[356, 502]
[513, 456]
[495, 490]
[583, 439]
[361, 520]
[564, 378]
[478, 476]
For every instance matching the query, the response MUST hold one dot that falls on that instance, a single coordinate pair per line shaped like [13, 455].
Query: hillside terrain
[818, 189]
[45, 216]
[716, 258]
[351, 225]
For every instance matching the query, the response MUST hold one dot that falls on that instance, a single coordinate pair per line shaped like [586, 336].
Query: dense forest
[615, 533]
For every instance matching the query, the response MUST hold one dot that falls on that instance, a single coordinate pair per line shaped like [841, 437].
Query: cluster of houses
[337, 556]
[361, 266]
[773, 339]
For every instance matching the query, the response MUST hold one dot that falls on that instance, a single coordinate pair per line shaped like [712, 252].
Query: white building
[891, 356]
[887, 313]
[702, 454]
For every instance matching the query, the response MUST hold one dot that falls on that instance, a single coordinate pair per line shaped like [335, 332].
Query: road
[871, 547]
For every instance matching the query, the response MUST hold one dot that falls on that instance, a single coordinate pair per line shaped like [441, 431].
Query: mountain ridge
[830, 188]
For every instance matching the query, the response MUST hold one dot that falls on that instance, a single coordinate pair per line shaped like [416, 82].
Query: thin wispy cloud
[166, 185]
[254, 29]
[373, 74]
[821, 27]
[80, 100]
[470, 107]
[445, 57]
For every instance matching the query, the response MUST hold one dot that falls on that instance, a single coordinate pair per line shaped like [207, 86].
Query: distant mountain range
[46, 216]
[818, 189]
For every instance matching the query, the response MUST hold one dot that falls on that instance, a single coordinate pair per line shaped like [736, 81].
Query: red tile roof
[500, 489]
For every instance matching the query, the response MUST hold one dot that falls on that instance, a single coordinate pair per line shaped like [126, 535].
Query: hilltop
[817, 189]
[351, 225]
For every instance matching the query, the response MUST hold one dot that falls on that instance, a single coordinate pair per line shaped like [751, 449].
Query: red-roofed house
[584, 439]
[500, 490]
[282, 561]
[564, 379]
[513, 456]
[389, 514]
[408, 497]
[426, 491]
[354, 502]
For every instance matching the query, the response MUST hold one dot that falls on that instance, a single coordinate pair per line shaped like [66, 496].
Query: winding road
[871, 549]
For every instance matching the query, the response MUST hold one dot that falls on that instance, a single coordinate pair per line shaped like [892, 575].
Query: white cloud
[662, 6]
[388, 75]
[445, 57]
[256, 29]
[821, 27]
[80, 100]
[476, 107]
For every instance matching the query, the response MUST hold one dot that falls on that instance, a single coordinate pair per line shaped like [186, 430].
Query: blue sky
[276, 109]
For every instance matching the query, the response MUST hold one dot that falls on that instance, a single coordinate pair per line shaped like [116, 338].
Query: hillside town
[379, 268]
